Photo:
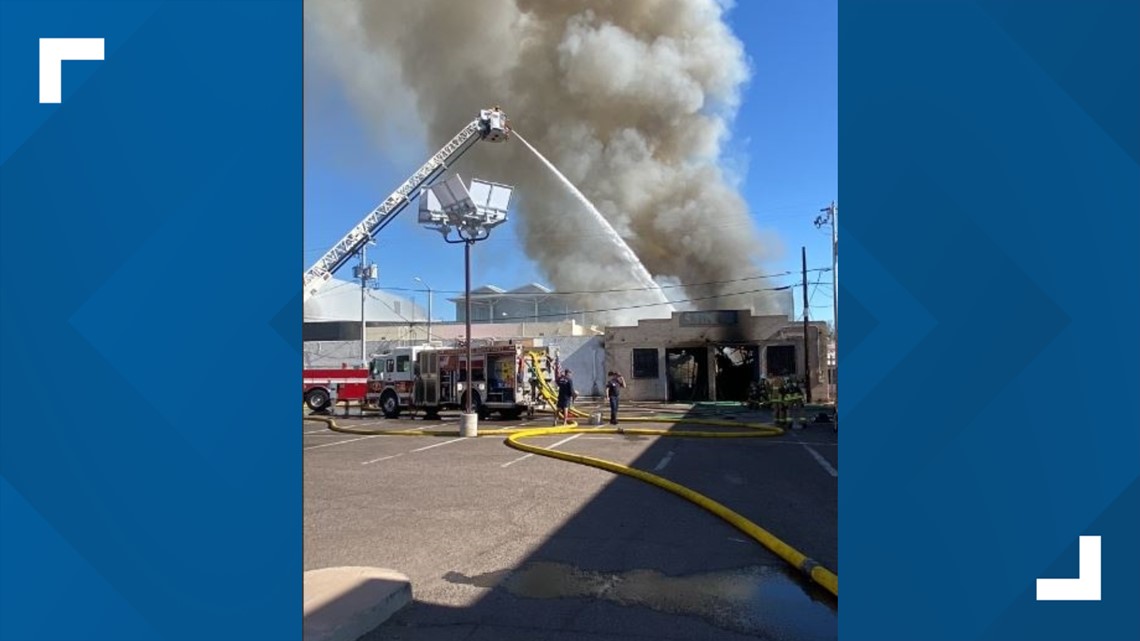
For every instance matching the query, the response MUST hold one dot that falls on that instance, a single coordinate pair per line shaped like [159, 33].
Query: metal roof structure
[339, 301]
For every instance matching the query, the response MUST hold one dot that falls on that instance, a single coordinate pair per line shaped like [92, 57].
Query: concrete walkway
[345, 603]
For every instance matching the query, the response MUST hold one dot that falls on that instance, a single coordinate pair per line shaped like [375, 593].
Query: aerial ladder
[491, 125]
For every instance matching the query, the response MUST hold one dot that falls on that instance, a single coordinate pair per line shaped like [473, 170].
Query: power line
[610, 291]
[754, 220]
[815, 288]
[644, 305]
[570, 313]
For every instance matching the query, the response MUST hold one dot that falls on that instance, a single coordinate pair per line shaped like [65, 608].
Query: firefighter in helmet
[778, 401]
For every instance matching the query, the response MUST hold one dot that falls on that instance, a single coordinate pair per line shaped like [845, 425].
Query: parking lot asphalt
[500, 544]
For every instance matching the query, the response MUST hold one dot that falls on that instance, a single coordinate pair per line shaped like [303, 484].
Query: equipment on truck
[433, 379]
[504, 378]
[491, 125]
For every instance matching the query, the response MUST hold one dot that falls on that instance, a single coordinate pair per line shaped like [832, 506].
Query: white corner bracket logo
[53, 51]
[1086, 587]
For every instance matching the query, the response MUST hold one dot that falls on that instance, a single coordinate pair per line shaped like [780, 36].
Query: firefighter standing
[779, 401]
[566, 397]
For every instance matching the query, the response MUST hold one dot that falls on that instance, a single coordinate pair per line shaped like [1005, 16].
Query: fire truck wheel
[390, 405]
[317, 399]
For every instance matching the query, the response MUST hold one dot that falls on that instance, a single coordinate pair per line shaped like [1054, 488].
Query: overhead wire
[580, 292]
[622, 308]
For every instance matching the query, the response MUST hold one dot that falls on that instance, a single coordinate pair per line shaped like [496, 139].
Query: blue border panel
[150, 487]
[990, 230]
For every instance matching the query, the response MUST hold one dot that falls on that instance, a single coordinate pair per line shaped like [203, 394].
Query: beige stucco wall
[761, 331]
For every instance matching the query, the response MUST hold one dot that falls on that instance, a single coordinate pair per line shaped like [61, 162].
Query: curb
[346, 603]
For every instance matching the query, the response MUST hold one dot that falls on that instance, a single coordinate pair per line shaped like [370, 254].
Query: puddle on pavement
[755, 600]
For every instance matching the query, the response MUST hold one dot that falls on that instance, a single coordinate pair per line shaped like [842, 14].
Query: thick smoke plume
[631, 99]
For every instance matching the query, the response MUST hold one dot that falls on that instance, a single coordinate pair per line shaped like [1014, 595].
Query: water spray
[637, 269]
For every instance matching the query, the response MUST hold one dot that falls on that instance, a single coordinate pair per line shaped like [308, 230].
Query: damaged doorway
[737, 367]
[687, 375]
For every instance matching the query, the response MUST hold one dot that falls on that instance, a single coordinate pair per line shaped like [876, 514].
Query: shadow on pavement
[639, 563]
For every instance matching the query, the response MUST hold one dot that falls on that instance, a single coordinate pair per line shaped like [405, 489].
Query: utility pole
[807, 357]
[365, 272]
[424, 283]
[832, 219]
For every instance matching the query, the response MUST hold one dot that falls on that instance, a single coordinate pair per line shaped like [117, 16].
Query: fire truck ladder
[321, 271]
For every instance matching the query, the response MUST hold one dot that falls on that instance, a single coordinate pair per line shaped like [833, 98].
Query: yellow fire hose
[544, 388]
[514, 436]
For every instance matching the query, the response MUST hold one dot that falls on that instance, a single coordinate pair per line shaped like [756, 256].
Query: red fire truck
[422, 378]
[322, 385]
[391, 378]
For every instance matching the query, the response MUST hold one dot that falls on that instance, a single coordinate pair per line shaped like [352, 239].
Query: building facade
[529, 303]
[714, 355]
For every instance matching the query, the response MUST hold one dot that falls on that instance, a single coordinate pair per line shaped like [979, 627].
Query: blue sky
[786, 133]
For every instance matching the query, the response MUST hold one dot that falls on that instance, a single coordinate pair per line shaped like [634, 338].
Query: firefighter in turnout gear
[777, 401]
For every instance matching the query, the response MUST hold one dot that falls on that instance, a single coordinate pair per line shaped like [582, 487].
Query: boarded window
[645, 363]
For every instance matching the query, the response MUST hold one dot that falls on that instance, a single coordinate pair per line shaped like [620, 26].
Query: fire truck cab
[504, 380]
[391, 378]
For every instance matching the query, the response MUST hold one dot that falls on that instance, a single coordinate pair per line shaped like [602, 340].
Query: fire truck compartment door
[427, 392]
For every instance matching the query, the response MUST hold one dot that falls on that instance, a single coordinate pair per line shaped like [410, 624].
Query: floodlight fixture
[471, 212]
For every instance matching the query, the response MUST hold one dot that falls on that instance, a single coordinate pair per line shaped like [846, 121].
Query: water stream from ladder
[637, 269]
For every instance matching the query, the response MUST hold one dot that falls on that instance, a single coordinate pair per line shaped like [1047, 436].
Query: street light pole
[467, 318]
[471, 213]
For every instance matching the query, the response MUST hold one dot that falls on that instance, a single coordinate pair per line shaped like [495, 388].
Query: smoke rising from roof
[630, 99]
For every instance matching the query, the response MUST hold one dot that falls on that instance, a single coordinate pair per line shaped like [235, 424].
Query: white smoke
[631, 100]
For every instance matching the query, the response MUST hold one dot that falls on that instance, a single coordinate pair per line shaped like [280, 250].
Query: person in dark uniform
[566, 396]
[613, 387]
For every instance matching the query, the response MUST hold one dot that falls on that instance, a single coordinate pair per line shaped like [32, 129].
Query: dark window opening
[645, 363]
[781, 360]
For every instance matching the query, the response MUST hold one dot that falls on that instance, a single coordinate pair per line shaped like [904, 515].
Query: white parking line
[351, 440]
[822, 461]
[664, 461]
[454, 440]
[526, 456]
[382, 458]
